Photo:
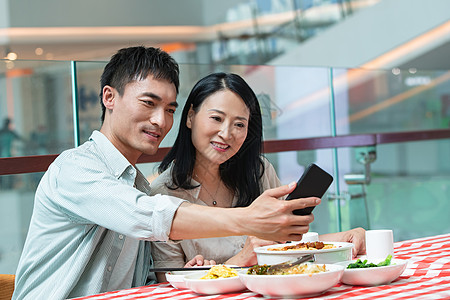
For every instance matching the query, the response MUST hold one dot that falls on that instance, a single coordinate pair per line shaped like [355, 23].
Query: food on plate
[220, 271]
[297, 269]
[363, 264]
[304, 246]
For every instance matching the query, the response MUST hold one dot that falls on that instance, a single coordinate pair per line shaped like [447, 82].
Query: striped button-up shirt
[92, 222]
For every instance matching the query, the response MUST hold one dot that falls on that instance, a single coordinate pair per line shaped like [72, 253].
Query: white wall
[51, 13]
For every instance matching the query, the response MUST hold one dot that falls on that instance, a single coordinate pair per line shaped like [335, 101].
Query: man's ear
[190, 115]
[108, 96]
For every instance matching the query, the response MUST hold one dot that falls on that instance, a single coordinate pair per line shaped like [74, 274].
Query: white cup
[310, 237]
[379, 244]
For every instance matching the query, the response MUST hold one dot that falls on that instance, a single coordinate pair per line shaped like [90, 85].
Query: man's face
[138, 121]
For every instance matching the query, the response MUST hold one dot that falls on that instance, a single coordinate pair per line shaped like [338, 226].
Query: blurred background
[367, 69]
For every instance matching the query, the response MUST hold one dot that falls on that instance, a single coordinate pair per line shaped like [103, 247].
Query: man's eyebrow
[152, 95]
[158, 98]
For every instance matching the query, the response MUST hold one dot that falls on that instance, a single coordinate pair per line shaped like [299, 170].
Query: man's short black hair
[137, 63]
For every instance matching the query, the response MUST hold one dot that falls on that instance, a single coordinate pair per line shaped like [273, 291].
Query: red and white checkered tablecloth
[427, 276]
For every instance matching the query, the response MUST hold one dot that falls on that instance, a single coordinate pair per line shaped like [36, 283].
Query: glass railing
[406, 186]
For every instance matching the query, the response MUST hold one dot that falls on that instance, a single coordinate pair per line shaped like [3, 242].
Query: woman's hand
[247, 257]
[199, 260]
[357, 236]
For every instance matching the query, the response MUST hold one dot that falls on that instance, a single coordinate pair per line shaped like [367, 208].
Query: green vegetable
[386, 262]
[363, 264]
[259, 270]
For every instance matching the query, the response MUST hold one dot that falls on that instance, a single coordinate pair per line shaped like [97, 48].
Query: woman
[216, 160]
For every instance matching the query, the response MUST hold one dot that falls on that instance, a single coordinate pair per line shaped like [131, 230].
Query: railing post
[76, 123]
[335, 151]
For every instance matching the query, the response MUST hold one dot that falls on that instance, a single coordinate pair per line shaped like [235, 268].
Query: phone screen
[313, 183]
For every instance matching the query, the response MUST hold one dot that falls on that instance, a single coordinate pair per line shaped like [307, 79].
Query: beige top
[171, 255]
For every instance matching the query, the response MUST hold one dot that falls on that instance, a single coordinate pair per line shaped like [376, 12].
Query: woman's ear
[190, 115]
[108, 96]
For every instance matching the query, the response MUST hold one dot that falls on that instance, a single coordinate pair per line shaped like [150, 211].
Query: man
[93, 219]
[7, 137]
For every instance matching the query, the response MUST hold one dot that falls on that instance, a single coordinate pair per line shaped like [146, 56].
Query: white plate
[293, 286]
[373, 276]
[342, 252]
[213, 286]
[176, 278]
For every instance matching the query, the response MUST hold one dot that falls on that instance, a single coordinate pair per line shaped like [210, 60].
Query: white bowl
[373, 276]
[176, 278]
[293, 286]
[342, 252]
[213, 286]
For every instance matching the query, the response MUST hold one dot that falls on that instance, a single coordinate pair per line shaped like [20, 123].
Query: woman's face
[219, 128]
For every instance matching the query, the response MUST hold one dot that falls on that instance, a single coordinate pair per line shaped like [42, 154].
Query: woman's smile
[220, 147]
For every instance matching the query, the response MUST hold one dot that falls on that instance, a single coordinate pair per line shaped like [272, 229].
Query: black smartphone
[314, 182]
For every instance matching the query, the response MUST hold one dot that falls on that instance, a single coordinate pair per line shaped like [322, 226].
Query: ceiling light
[396, 71]
[10, 55]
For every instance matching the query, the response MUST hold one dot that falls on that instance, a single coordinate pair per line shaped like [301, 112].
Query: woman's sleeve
[269, 179]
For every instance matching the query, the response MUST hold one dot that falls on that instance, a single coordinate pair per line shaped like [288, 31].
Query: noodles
[220, 271]
[303, 269]
[297, 269]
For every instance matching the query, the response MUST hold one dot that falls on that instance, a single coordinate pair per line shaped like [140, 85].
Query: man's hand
[270, 218]
[357, 236]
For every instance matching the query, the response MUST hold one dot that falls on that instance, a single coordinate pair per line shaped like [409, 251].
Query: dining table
[427, 276]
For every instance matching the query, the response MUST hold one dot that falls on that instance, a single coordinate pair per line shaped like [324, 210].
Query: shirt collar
[116, 161]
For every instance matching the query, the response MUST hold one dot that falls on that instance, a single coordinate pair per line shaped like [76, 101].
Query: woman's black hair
[136, 63]
[242, 172]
